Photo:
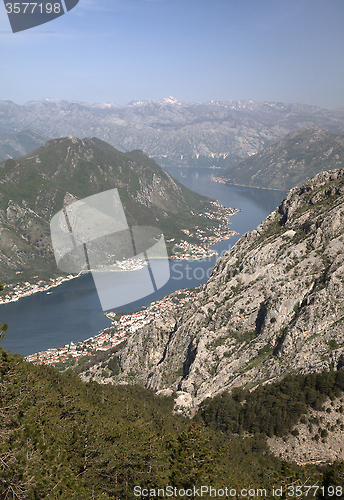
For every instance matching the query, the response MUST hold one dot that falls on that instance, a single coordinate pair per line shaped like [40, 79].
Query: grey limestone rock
[171, 131]
[273, 305]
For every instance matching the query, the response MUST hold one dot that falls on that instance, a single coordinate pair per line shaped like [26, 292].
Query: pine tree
[3, 327]
[192, 458]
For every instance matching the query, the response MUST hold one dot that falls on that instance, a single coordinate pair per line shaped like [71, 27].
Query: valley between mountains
[264, 333]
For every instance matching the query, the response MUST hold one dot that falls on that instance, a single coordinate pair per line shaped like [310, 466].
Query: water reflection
[255, 203]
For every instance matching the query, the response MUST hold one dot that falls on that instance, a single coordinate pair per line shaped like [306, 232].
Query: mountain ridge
[273, 305]
[173, 133]
[290, 161]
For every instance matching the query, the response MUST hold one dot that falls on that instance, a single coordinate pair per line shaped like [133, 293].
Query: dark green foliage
[334, 478]
[3, 327]
[192, 459]
[113, 366]
[61, 439]
[104, 357]
[63, 435]
[333, 344]
[271, 409]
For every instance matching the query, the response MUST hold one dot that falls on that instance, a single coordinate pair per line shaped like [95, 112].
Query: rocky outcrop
[273, 305]
[317, 438]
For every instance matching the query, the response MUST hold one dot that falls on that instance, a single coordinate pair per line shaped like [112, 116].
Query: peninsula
[35, 187]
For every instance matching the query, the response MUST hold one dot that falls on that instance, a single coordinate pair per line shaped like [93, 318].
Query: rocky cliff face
[273, 304]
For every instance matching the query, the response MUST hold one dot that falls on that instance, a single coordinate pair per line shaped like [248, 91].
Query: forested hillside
[64, 439]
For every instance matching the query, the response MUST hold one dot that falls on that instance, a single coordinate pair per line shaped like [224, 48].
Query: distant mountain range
[170, 131]
[35, 187]
[19, 143]
[290, 161]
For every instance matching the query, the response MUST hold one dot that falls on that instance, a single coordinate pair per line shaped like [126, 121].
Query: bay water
[72, 311]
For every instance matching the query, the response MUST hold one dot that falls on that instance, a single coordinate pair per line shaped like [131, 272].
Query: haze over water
[72, 312]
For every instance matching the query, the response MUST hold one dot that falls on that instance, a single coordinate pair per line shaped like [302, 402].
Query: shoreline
[187, 251]
[223, 180]
[122, 326]
[35, 288]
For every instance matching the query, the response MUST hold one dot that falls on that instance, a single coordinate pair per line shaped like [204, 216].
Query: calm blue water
[72, 312]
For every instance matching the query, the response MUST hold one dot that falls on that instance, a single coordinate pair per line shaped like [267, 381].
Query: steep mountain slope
[35, 187]
[61, 438]
[20, 143]
[172, 131]
[273, 305]
[290, 161]
[318, 437]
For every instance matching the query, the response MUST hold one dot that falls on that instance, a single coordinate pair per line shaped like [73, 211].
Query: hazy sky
[194, 50]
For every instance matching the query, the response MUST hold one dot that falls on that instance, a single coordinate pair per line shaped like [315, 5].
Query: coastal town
[184, 250]
[16, 292]
[221, 180]
[206, 237]
[122, 326]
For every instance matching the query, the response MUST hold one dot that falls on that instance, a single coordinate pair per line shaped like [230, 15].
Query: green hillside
[35, 187]
[63, 439]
